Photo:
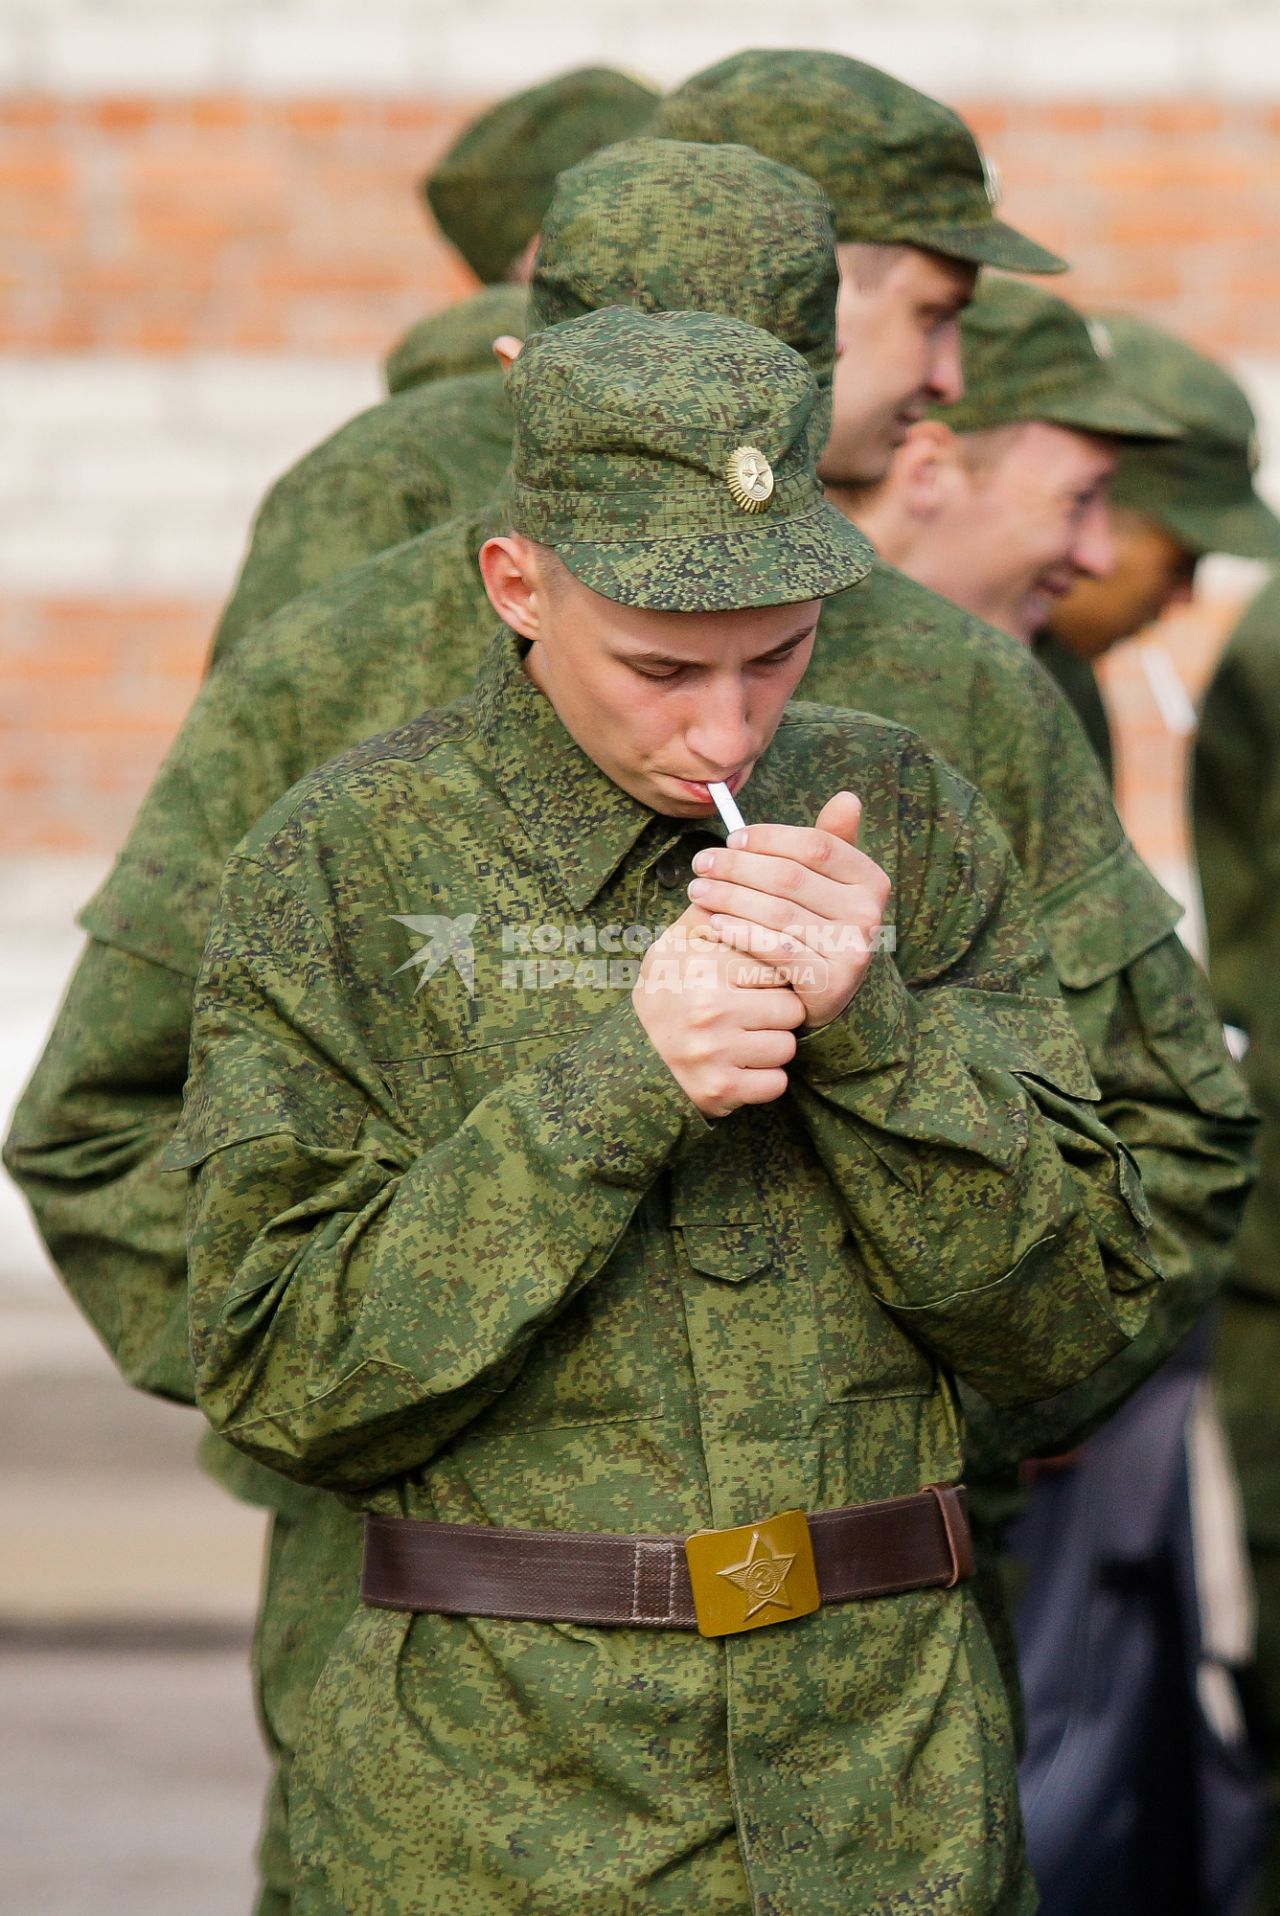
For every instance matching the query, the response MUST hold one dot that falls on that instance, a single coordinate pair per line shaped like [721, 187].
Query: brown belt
[719, 1581]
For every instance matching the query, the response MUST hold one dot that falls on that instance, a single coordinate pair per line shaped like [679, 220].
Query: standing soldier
[111, 1078]
[1236, 809]
[439, 445]
[1171, 505]
[574, 1287]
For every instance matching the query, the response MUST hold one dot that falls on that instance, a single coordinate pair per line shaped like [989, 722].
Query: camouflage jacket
[1080, 684]
[405, 632]
[393, 472]
[461, 1248]
[1236, 808]
[458, 340]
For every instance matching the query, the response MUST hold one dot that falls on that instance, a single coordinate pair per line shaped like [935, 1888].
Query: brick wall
[211, 236]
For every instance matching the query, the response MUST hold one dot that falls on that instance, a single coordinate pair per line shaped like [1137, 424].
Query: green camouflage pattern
[1028, 355]
[1236, 813]
[406, 632]
[627, 425]
[898, 167]
[388, 475]
[665, 226]
[459, 340]
[1079, 684]
[492, 187]
[1201, 487]
[1138, 1000]
[653, 224]
[467, 1252]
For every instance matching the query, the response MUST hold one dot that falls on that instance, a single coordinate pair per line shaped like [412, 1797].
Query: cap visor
[993, 244]
[807, 556]
[1102, 407]
[1246, 527]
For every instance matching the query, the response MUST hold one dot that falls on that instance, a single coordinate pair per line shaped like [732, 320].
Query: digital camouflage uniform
[1237, 833]
[472, 1255]
[490, 190]
[393, 472]
[423, 456]
[458, 340]
[752, 237]
[407, 631]
[1198, 488]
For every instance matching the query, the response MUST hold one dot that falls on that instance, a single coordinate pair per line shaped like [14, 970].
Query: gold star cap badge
[750, 479]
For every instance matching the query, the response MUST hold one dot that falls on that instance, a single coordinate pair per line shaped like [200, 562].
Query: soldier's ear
[923, 464]
[510, 574]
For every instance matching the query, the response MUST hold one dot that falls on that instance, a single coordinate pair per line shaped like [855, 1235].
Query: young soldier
[763, 247]
[1171, 504]
[436, 448]
[1000, 500]
[613, 1267]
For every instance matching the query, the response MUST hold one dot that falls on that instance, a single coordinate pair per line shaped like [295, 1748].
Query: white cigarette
[722, 799]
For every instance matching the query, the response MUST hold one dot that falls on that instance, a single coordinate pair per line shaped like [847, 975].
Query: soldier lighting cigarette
[722, 799]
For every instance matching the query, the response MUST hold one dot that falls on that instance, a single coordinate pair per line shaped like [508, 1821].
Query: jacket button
[673, 870]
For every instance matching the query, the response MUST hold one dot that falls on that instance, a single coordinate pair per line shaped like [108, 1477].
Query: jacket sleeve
[85, 1148]
[357, 1298]
[1010, 1234]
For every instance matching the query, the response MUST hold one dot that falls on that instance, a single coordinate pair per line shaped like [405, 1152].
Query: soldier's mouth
[698, 787]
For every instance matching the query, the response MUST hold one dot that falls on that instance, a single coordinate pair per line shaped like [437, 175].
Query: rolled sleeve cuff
[873, 1030]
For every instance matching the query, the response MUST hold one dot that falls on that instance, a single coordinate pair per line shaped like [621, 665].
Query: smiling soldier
[632, 1319]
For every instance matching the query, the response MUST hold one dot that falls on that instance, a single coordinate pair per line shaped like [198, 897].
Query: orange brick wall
[225, 224]
[170, 228]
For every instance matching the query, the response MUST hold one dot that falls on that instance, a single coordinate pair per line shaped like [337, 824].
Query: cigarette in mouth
[722, 799]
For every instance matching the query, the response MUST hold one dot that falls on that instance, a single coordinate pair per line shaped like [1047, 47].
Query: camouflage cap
[666, 226]
[1028, 355]
[458, 340]
[671, 461]
[1200, 488]
[898, 167]
[492, 187]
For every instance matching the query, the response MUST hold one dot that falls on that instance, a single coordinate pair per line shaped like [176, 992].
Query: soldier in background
[439, 445]
[1171, 505]
[1236, 812]
[999, 499]
[488, 194]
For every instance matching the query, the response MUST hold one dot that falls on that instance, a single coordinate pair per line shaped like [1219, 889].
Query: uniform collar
[578, 821]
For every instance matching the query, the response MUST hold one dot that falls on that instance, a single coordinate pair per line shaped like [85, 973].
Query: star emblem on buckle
[753, 1575]
[762, 1574]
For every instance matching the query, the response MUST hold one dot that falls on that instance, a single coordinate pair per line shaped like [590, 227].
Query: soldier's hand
[805, 901]
[720, 1019]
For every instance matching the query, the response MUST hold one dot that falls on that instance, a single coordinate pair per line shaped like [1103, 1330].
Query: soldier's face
[1019, 530]
[662, 701]
[1153, 571]
[898, 326]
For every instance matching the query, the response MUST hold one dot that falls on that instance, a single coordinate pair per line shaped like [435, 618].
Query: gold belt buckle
[758, 1574]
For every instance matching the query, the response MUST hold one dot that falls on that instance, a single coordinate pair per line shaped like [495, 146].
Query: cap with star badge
[898, 167]
[664, 225]
[1201, 487]
[670, 459]
[489, 192]
[1028, 355]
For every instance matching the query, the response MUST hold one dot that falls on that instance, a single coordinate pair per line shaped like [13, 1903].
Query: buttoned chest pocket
[595, 1361]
